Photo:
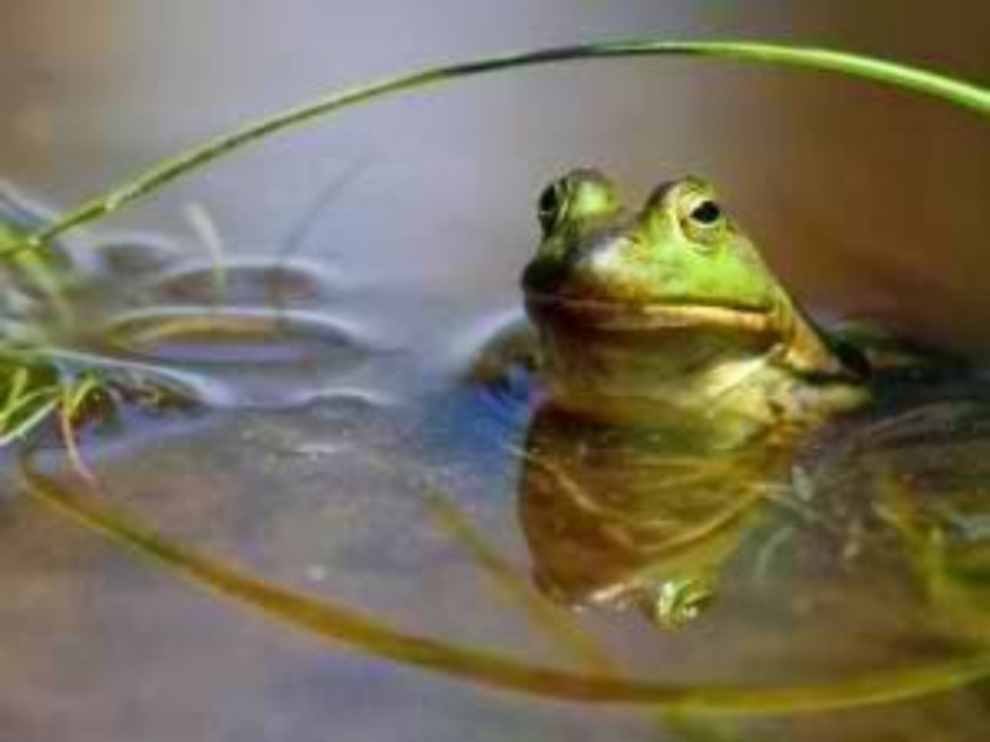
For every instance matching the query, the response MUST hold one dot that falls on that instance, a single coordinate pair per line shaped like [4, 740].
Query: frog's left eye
[550, 206]
[580, 196]
[703, 220]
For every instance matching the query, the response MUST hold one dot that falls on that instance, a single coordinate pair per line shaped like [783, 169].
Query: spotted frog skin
[668, 314]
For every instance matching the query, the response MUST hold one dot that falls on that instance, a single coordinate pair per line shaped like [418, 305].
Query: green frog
[669, 314]
[679, 378]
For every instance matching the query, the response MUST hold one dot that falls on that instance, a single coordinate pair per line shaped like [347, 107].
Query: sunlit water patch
[269, 282]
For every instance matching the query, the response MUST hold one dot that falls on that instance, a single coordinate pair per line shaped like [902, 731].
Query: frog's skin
[669, 314]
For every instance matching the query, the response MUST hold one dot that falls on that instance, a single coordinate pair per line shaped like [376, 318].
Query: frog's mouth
[650, 361]
[598, 314]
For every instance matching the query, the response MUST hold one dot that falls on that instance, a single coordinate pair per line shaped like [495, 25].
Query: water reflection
[145, 312]
[621, 515]
[926, 473]
[337, 622]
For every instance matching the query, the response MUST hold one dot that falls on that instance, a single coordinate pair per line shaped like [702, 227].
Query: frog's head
[681, 253]
[670, 302]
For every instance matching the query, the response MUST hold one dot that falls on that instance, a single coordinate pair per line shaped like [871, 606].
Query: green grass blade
[342, 626]
[914, 79]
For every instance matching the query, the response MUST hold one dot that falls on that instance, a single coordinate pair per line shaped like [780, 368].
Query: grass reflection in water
[341, 625]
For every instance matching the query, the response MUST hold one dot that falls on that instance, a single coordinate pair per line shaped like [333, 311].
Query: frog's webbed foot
[672, 604]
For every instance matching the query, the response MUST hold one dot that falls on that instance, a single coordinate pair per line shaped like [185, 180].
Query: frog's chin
[601, 315]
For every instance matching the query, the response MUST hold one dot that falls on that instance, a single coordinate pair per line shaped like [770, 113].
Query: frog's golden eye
[703, 220]
[550, 207]
[706, 213]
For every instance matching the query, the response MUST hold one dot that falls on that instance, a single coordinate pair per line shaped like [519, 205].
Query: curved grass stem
[914, 79]
[341, 626]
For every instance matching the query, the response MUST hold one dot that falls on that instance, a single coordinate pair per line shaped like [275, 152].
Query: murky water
[345, 455]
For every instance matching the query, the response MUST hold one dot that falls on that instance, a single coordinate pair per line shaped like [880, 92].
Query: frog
[676, 381]
[669, 313]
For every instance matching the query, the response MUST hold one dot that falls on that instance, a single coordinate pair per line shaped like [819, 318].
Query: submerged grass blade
[74, 397]
[210, 239]
[914, 79]
[555, 621]
[341, 625]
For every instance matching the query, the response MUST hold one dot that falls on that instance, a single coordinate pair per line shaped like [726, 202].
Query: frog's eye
[581, 196]
[706, 213]
[703, 220]
[550, 206]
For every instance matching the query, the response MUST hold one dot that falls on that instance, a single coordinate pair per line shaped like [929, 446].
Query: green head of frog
[669, 313]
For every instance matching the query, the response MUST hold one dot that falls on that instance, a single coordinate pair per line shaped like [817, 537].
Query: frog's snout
[580, 269]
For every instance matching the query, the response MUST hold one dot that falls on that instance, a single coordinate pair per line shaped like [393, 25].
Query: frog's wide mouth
[653, 316]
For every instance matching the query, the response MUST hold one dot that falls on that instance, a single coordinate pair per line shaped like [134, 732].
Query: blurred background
[866, 200]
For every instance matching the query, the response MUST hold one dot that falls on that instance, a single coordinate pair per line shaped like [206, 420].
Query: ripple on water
[255, 356]
[133, 258]
[251, 332]
[500, 352]
[243, 282]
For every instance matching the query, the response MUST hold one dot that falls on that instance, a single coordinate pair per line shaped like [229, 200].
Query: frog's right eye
[550, 207]
[706, 212]
[702, 219]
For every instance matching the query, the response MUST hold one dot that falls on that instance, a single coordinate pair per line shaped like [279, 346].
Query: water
[334, 487]
[352, 460]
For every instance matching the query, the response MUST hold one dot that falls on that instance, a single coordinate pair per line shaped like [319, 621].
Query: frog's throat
[798, 345]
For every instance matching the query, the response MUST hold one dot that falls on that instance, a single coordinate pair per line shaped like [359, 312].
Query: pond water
[364, 540]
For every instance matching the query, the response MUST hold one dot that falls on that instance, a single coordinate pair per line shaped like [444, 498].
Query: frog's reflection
[620, 515]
